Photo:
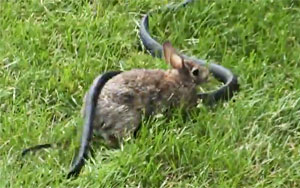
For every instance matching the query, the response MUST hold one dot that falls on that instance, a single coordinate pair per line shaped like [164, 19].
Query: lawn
[50, 52]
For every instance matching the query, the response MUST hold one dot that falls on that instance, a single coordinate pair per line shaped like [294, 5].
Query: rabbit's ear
[172, 57]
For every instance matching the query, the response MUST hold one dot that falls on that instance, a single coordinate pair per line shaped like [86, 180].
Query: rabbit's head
[188, 69]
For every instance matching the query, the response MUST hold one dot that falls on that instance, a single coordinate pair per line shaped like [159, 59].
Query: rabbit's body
[129, 95]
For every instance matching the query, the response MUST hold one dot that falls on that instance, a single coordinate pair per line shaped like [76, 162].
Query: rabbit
[129, 95]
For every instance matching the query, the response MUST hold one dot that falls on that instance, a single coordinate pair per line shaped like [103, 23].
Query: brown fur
[129, 95]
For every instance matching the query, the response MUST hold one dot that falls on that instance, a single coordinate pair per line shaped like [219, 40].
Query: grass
[50, 51]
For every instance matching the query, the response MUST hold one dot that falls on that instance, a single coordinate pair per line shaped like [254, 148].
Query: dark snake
[155, 49]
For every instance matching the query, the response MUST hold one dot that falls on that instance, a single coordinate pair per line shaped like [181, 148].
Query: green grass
[50, 51]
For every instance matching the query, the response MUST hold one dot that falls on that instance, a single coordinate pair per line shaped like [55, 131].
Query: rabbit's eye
[195, 72]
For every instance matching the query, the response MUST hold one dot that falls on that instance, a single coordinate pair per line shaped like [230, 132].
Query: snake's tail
[35, 148]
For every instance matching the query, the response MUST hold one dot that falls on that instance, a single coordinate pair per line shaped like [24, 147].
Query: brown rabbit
[128, 95]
